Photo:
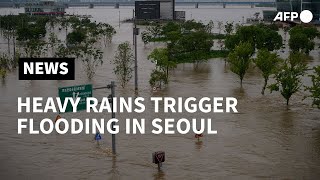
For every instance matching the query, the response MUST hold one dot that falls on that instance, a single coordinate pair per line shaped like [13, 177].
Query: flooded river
[265, 140]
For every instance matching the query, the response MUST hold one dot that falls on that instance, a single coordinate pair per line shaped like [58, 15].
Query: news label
[46, 69]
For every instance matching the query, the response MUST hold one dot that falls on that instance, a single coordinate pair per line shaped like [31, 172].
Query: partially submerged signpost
[158, 158]
[84, 91]
[97, 137]
[198, 136]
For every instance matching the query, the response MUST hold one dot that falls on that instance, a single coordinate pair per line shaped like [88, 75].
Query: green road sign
[82, 91]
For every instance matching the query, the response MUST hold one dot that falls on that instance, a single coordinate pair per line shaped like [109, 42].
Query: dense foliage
[240, 59]
[123, 62]
[35, 35]
[267, 62]
[259, 37]
[302, 39]
[288, 78]
[315, 88]
[186, 42]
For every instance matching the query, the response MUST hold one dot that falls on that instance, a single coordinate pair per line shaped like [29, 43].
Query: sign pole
[135, 33]
[113, 116]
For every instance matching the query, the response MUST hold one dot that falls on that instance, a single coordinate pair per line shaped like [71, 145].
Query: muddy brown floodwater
[265, 140]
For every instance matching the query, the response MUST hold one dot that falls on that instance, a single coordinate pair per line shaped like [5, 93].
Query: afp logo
[46, 69]
[306, 16]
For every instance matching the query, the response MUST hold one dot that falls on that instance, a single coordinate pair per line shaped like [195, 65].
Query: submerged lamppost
[135, 33]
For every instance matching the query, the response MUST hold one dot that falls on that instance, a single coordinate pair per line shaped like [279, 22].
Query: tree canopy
[259, 37]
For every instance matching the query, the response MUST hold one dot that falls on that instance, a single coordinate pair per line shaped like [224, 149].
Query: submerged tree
[4, 66]
[157, 78]
[8, 26]
[209, 27]
[53, 43]
[192, 47]
[288, 79]
[160, 57]
[300, 43]
[259, 37]
[228, 28]
[146, 37]
[107, 32]
[302, 39]
[220, 23]
[123, 62]
[267, 62]
[154, 30]
[76, 37]
[32, 35]
[315, 88]
[240, 59]
[92, 58]
[35, 48]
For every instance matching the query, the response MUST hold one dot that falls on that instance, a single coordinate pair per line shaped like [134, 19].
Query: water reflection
[159, 175]
[225, 67]
[3, 81]
[201, 68]
[287, 120]
[317, 139]
[114, 171]
[199, 145]
[239, 92]
[286, 129]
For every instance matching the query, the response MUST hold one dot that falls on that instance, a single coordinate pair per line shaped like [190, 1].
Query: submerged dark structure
[155, 9]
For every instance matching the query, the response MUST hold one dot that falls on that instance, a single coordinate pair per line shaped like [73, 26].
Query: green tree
[240, 59]
[91, 58]
[300, 43]
[8, 27]
[4, 66]
[258, 37]
[81, 42]
[192, 25]
[65, 23]
[288, 79]
[31, 31]
[232, 41]
[228, 28]
[302, 39]
[157, 78]
[315, 88]
[107, 32]
[160, 57]
[146, 37]
[53, 42]
[76, 37]
[35, 48]
[192, 47]
[123, 62]
[154, 30]
[267, 62]
[209, 27]
[62, 51]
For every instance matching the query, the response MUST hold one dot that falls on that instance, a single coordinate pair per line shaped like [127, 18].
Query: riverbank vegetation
[40, 36]
[123, 62]
[314, 89]
[185, 42]
[266, 41]
[243, 47]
